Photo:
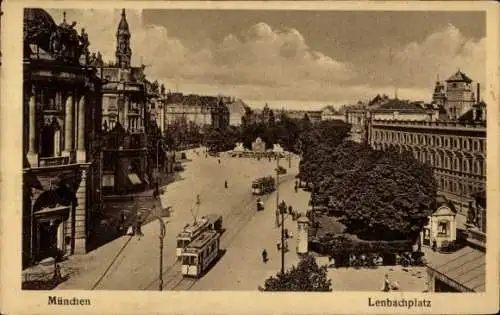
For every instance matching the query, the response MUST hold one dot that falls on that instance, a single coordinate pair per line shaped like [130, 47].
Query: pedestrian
[138, 225]
[219, 161]
[387, 284]
[225, 183]
[278, 245]
[57, 273]
[290, 210]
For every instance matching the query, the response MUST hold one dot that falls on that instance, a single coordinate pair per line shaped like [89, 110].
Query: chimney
[478, 93]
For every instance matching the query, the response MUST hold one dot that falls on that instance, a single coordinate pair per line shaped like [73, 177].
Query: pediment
[444, 211]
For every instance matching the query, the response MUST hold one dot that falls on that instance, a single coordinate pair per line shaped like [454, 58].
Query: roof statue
[61, 41]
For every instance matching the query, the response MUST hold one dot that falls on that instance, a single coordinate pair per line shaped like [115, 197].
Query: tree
[306, 276]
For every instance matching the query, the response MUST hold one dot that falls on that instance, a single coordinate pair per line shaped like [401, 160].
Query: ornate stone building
[459, 95]
[456, 149]
[199, 110]
[124, 104]
[61, 140]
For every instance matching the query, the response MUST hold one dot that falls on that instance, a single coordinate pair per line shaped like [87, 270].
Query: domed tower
[459, 95]
[123, 51]
[439, 96]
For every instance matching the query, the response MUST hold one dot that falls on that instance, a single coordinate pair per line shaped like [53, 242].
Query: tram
[200, 254]
[214, 222]
[189, 233]
[263, 185]
[211, 222]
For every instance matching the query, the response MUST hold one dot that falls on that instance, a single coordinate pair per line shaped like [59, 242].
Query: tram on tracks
[198, 256]
[211, 222]
[263, 185]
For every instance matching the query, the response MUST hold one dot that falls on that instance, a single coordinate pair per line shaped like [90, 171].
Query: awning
[108, 180]
[56, 211]
[134, 178]
[464, 269]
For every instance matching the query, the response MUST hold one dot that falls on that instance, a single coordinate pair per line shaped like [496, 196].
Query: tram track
[237, 218]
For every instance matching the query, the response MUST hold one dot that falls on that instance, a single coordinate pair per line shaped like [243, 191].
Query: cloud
[278, 64]
[416, 64]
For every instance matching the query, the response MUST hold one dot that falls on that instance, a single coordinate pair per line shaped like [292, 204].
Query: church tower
[439, 96]
[123, 51]
[459, 95]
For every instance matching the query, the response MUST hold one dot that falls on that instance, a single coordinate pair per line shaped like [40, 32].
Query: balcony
[54, 161]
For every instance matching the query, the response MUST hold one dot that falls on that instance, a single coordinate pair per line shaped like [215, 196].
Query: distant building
[329, 114]
[200, 110]
[459, 95]
[237, 110]
[61, 140]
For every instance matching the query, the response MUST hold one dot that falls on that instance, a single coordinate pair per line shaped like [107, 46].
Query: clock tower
[123, 51]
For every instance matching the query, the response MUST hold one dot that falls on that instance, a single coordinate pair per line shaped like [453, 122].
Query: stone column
[32, 151]
[68, 127]
[80, 153]
[80, 231]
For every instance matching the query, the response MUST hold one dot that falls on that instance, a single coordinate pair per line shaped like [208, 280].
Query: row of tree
[378, 195]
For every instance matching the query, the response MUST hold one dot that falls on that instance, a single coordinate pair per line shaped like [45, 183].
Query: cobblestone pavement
[132, 263]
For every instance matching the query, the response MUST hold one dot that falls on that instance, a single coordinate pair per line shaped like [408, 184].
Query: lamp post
[161, 236]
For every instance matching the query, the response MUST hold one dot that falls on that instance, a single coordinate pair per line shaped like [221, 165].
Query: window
[469, 145]
[476, 145]
[443, 228]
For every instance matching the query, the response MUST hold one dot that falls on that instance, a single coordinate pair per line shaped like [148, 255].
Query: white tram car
[200, 253]
[192, 231]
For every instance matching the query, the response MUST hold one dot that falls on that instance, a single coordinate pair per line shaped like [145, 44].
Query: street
[132, 262]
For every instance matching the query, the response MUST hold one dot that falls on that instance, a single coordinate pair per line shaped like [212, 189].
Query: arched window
[50, 140]
[465, 166]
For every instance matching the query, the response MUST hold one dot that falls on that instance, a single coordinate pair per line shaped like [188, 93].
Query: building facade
[328, 114]
[459, 95]
[124, 109]
[441, 229]
[237, 110]
[455, 148]
[61, 141]
[201, 111]
[456, 151]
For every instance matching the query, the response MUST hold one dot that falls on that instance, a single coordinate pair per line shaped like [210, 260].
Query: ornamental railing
[54, 161]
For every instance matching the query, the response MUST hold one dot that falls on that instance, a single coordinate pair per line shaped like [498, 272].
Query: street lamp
[161, 237]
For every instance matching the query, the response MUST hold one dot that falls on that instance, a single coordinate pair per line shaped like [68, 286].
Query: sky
[295, 59]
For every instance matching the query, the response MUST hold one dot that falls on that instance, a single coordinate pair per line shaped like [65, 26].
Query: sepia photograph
[264, 149]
